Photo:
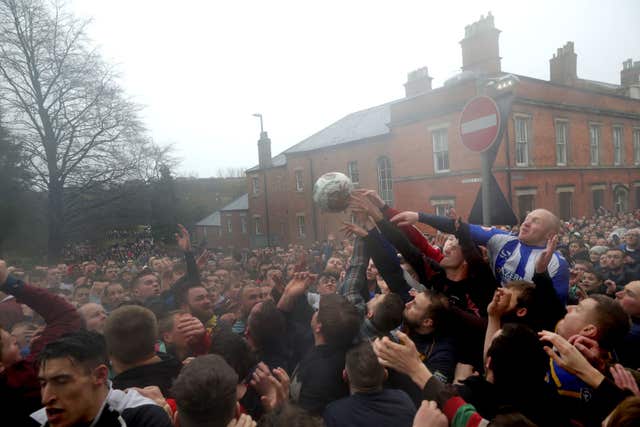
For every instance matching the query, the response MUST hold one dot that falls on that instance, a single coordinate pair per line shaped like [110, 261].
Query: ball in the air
[331, 192]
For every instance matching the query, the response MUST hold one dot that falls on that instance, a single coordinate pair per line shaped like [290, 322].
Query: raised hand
[273, 386]
[429, 415]
[499, 305]
[349, 229]
[183, 239]
[243, 421]
[405, 218]
[361, 203]
[201, 262]
[373, 197]
[545, 256]
[402, 357]
[191, 328]
[624, 379]
[569, 358]
[300, 283]
[440, 240]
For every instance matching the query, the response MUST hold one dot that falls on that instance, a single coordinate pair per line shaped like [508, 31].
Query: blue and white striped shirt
[513, 260]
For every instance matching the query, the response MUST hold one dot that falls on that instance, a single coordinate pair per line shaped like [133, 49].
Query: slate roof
[353, 127]
[239, 204]
[212, 220]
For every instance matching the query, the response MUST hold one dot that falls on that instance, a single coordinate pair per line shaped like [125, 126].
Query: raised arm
[387, 264]
[355, 280]
[60, 316]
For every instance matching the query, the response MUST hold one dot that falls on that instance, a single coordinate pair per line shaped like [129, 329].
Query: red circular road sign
[479, 123]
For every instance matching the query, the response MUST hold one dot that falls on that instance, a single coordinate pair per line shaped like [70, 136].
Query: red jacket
[19, 385]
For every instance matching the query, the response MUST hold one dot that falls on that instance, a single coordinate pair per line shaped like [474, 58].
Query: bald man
[512, 257]
[94, 316]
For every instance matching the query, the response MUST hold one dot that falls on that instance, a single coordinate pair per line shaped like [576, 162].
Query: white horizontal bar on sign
[479, 124]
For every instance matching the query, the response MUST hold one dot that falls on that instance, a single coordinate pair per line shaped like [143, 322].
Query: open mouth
[53, 413]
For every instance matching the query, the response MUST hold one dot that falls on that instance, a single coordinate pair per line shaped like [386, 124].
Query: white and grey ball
[332, 191]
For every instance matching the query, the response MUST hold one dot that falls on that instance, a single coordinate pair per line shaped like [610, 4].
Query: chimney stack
[630, 73]
[264, 151]
[480, 47]
[563, 65]
[418, 81]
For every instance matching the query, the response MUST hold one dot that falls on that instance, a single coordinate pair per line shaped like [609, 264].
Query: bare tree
[79, 130]
[230, 172]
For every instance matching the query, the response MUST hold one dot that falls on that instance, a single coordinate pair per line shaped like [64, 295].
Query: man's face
[10, 349]
[631, 239]
[334, 265]
[372, 271]
[94, 317]
[111, 273]
[452, 252]
[81, 295]
[68, 392]
[90, 268]
[199, 303]
[176, 337]
[114, 294]
[250, 297]
[590, 281]
[536, 228]
[373, 304]
[615, 259]
[253, 262]
[416, 309]
[53, 276]
[594, 257]
[223, 276]
[629, 298]
[147, 286]
[574, 247]
[291, 268]
[327, 285]
[212, 283]
[577, 318]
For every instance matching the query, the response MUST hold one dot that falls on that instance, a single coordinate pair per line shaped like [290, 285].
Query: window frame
[521, 148]
[243, 224]
[301, 226]
[384, 173]
[257, 225]
[352, 166]
[618, 150]
[299, 180]
[443, 132]
[595, 129]
[229, 219]
[635, 135]
[564, 125]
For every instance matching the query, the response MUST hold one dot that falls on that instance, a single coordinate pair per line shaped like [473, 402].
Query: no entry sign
[479, 123]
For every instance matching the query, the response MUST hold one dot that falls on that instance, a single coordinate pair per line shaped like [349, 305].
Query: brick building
[569, 145]
[227, 228]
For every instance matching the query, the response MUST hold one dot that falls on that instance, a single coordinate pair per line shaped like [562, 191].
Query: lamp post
[500, 83]
[263, 136]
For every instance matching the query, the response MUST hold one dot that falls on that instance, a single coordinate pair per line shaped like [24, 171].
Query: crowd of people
[397, 324]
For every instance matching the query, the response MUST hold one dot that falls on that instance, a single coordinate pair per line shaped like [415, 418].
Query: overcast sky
[201, 68]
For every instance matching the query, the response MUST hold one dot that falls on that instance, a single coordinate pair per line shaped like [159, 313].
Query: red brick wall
[409, 147]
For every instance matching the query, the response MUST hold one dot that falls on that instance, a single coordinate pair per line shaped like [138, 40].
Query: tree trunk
[56, 222]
